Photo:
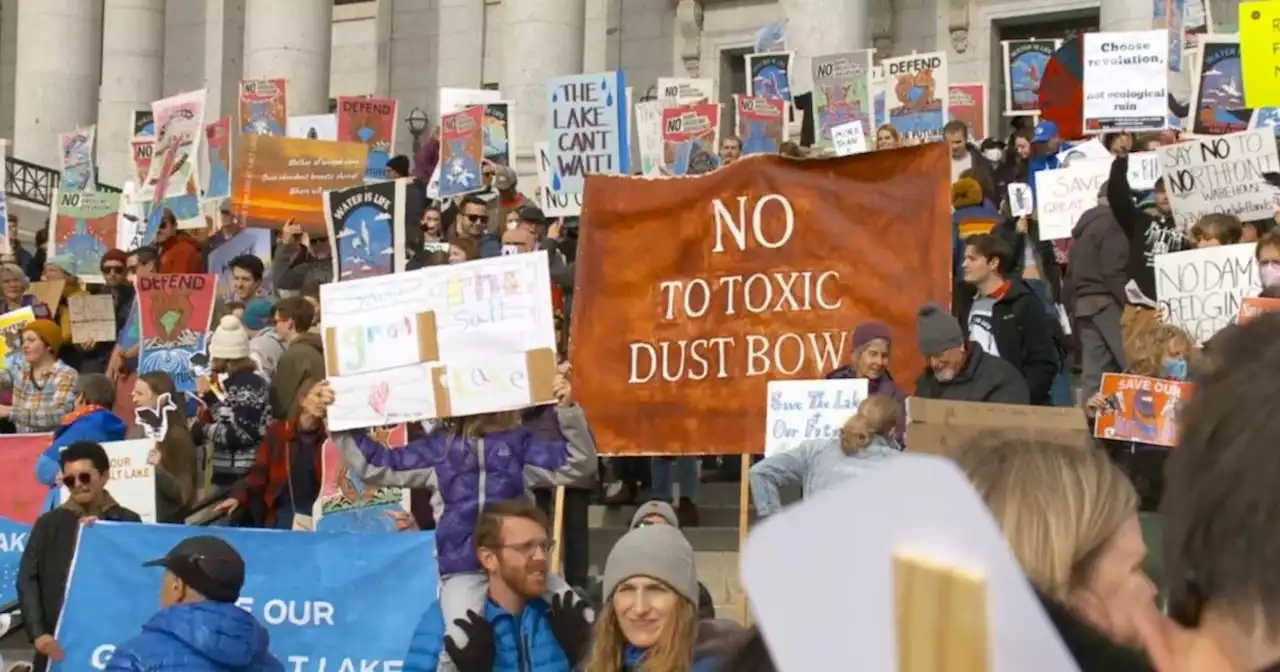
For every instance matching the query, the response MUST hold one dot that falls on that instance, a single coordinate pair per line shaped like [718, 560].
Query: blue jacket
[99, 426]
[198, 637]
[524, 646]
[633, 657]
[1039, 163]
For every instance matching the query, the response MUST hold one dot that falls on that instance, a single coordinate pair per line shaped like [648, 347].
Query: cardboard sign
[1142, 409]
[93, 318]
[941, 427]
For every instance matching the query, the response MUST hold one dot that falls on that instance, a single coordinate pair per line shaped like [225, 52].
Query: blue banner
[330, 601]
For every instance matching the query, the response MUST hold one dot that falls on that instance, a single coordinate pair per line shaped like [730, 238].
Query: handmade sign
[499, 137]
[588, 126]
[841, 93]
[217, 137]
[11, 325]
[1201, 290]
[93, 318]
[1144, 170]
[83, 226]
[144, 123]
[366, 229]
[1126, 81]
[809, 410]
[313, 127]
[461, 152]
[1020, 200]
[179, 132]
[762, 124]
[968, 103]
[751, 282]
[371, 121]
[22, 498]
[76, 151]
[681, 91]
[278, 179]
[1253, 306]
[1141, 409]
[849, 139]
[263, 107]
[690, 139]
[769, 75]
[132, 479]
[348, 504]
[648, 123]
[1062, 195]
[175, 312]
[557, 204]
[1217, 98]
[1024, 65]
[1220, 175]
[143, 149]
[918, 96]
[1258, 22]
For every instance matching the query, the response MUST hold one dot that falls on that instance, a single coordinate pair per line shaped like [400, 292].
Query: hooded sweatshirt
[1097, 269]
[198, 637]
[819, 464]
[302, 360]
[87, 423]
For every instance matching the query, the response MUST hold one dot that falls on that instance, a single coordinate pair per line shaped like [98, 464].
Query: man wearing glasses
[46, 560]
[202, 581]
[473, 222]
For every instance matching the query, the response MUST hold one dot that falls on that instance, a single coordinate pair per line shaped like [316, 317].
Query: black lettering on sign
[675, 124]
[69, 199]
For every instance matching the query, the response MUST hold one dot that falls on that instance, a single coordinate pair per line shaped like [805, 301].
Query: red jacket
[268, 478]
[181, 254]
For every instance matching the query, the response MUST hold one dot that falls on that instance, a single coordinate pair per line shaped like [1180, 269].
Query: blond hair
[672, 653]
[877, 415]
[1058, 505]
[476, 426]
[1147, 350]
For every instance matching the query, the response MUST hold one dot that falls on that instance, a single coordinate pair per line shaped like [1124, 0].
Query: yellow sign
[11, 324]
[1260, 53]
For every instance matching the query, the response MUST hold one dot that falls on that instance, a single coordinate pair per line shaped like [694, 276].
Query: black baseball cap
[208, 564]
[532, 214]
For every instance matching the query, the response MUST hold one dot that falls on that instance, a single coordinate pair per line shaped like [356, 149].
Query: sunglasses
[476, 218]
[113, 269]
[70, 480]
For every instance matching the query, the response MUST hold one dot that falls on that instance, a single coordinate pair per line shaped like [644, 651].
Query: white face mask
[994, 154]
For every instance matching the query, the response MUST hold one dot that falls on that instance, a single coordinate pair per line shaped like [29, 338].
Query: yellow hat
[47, 331]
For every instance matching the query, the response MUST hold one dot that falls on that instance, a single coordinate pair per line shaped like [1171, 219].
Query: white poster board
[1201, 290]
[1221, 173]
[849, 138]
[1064, 194]
[441, 341]
[648, 120]
[313, 127]
[553, 204]
[681, 91]
[133, 480]
[809, 410]
[1021, 203]
[1144, 170]
[1126, 81]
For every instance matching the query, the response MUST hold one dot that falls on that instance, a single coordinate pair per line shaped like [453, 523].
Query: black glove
[570, 624]
[477, 655]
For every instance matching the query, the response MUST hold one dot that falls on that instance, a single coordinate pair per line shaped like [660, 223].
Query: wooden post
[941, 617]
[744, 520]
[557, 532]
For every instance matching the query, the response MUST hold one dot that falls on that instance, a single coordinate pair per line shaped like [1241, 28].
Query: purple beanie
[869, 331]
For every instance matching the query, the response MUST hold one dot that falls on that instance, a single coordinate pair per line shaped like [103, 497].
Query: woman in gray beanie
[650, 620]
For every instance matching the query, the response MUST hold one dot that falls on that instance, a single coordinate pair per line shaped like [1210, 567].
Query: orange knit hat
[47, 331]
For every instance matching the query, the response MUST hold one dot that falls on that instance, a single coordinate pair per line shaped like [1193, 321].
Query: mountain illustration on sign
[169, 314]
[365, 133]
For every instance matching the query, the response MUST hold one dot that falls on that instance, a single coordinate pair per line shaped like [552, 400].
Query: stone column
[820, 28]
[460, 49]
[223, 58]
[8, 66]
[291, 39]
[57, 73]
[541, 39]
[132, 77]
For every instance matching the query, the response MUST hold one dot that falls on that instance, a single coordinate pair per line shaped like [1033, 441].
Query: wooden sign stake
[557, 532]
[744, 520]
[941, 618]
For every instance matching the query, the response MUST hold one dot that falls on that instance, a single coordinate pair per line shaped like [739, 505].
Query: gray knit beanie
[937, 330]
[657, 551]
[655, 507]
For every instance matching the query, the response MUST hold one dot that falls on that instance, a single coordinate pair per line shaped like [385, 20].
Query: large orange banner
[278, 178]
[693, 293]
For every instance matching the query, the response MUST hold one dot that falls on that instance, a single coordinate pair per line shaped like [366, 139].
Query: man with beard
[518, 630]
[961, 371]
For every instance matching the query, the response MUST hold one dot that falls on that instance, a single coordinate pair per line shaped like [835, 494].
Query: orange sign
[1253, 306]
[693, 293]
[277, 178]
[1141, 409]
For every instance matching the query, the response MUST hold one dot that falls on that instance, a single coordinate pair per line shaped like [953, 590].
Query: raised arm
[552, 462]
[1119, 198]
[413, 466]
[777, 470]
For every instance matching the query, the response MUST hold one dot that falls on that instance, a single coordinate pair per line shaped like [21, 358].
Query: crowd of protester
[1024, 314]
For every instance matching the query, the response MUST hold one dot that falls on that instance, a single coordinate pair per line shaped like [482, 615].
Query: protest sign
[132, 479]
[75, 148]
[93, 318]
[1141, 409]
[1024, 65]
[11, 326]
[313, 127]
[324, 612]
[1259, 24]
[1062, 195]
[21, 501]
[762, 124]
[587, 121]
[461, 152]
[253, 242]
[366, 229]
[1253, 306]
[555, 204]
[1169, 15]
[849, 139]
[48, 293]
[968, 103]
[1202, 290]
[681, 91]
[691, 139]
[1266, 117]
[809, 410]
[769, 75]
[217, 138]
[917, 96]
[751, 281]
[5, 247]
[772, 38]
[1217, 100]
[371, 121]
[175, 311]
[1144, 170]
[143, 149]
[1220, 174]
[841, 93]
[264, 107]
[278, 179]
[179, 132]
[648, 137]
[144, 123]
[348, 504]
[83, 227]
[499, 134]
[1126, 81]
[441, 341]
[454, 100]
[941, 427]
[1021, 203]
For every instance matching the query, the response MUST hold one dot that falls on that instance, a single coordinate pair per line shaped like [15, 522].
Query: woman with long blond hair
[1071, 518]
[649, 622]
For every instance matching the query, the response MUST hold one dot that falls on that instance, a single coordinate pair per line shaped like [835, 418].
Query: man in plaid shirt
[44, 389]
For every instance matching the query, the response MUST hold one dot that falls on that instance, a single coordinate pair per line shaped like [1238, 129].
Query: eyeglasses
[475, 218]
[113, 269]
[84, 478]
[528, 549]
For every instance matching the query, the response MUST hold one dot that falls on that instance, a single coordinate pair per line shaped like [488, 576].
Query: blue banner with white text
[330, 601]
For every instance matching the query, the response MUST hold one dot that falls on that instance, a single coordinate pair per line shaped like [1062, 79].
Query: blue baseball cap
[258, 314]
[1045, 131]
